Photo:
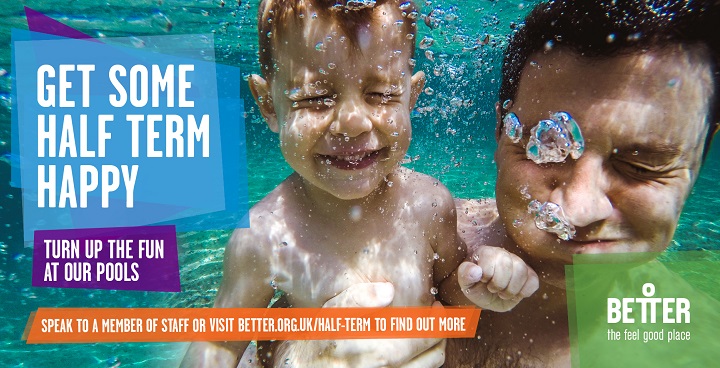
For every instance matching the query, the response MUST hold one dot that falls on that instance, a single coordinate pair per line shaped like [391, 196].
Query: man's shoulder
[478, 223]
[476, 212]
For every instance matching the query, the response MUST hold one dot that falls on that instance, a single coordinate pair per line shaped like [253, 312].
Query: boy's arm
[492, 278]
[246, 269]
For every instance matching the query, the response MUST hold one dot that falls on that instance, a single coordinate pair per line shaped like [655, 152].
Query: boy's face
[342, 110]
[643, 120]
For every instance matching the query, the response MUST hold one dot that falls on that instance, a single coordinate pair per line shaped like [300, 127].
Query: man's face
[343, 110]
[643, 120]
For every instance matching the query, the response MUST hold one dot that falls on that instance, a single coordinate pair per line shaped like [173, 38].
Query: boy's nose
[583, 193]
[351, 119]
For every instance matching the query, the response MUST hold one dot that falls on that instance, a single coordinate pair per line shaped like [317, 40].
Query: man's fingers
[365, 295]
[431, 358]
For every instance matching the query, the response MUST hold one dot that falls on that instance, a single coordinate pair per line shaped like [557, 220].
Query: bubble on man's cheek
[553, 140]
[550, 217]
[512, 127]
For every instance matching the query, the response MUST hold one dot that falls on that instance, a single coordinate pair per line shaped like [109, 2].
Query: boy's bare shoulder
[425, 199]
[421, 187]
[269, 220]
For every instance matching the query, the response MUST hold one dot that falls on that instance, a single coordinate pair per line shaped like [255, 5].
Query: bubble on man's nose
[550, 217]
[553, 140]
[513, 127]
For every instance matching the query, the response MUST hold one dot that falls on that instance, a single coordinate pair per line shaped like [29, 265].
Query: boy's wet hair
[278, 16]
[605, 28]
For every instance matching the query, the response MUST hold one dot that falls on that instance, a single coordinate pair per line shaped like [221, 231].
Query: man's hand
[406, 353]
[498, 280]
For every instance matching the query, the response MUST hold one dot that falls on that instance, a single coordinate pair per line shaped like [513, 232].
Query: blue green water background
[453, 140]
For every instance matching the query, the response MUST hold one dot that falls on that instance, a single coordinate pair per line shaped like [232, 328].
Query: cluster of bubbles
[553, 140]
[359, 4]
[550, 217]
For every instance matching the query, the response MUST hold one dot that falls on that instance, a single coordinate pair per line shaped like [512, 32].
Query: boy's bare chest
[317, 264]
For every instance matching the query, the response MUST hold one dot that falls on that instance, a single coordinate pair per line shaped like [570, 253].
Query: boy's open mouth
[355, 161]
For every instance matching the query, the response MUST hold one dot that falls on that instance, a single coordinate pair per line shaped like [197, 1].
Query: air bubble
[426, 42]
[355, 213]
[549, 45]
[550, 217]
[430, 55]
[512, 127]
[553, 140]
[433, 290]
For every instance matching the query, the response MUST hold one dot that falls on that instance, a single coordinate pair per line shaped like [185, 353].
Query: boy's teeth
[352, 157]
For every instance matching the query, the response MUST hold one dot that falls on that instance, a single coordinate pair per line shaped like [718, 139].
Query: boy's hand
[498, 280]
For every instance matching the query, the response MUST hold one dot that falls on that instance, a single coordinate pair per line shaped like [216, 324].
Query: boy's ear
[261, 92]
[417, 82]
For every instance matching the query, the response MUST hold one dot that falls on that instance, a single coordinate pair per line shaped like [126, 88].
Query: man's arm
[246, 268]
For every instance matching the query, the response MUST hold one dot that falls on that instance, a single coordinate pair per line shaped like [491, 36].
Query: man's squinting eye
[639, 171]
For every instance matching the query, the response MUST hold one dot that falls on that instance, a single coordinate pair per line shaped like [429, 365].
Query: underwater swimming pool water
[453, 140]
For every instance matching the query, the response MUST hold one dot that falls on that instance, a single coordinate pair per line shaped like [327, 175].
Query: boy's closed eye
[314, 102]
[382, 98]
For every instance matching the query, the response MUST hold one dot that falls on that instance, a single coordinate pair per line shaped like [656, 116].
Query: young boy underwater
[338, 88]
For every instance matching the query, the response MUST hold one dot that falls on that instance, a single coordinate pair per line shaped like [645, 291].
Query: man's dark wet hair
[603, 28]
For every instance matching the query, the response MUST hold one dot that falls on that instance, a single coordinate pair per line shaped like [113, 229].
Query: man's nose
[351, 118]
[583, 193]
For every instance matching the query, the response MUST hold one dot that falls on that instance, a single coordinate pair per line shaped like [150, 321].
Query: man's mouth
[351, 161]
[604, 245]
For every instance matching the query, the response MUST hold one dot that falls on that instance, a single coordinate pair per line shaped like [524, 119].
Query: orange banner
[83, 325]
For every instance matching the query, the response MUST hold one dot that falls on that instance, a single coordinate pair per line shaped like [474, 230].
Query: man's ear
[417, 82]
[498, 120]
[261, 92]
